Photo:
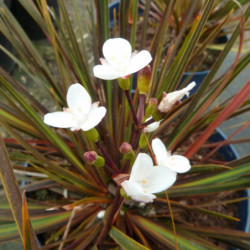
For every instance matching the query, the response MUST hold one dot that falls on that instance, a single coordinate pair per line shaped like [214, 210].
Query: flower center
[119, 62]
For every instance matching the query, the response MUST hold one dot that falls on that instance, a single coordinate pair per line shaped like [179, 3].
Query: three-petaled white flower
[81, 114]
[119, 61]
[176, 163]
[146, 179]
[170, 99]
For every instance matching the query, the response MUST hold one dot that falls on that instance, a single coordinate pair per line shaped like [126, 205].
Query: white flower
[101, 214]
[146, 179]
[151, 127]
[170, 99]
[119, 60]
[176, 163]
[81, 114]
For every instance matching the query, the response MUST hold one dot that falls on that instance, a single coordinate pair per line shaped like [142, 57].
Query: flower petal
[78, 99]
[178, 163]
[142, 165]
[138, 61]
[94, 117]
[106, 72]
[117, 51]
[170, 99]
[60, 120]
[136, 192]
[101, 214]
[179, 94]
[160, 152]
[159, 179]
[151, 127]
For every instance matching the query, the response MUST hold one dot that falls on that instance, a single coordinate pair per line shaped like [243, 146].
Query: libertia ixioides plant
[110, 179]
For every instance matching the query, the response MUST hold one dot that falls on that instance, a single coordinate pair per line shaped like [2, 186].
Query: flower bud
[92, 135]
[153, 102]
[93, 158]
[143, 80]
[124, 83]
[127, 151]
[100, 161]
[123, 194]
[143, 141]
[152, 107]
[125, 148]
[90, 157]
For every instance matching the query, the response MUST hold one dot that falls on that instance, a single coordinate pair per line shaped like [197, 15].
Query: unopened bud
[125, 148]
[143, 141]
[92, 135]
[157, 115]
[153, 102]
[124, 83]
[123, 194]
[143, 80]
[127, 151]
[93, 158]
[152, 107]
[100, 161]
[90, 157]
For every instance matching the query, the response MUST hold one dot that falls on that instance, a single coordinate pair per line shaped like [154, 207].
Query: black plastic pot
[28, 24]
[5, 62]
[26, 21]
[230, 154]
[197, 77]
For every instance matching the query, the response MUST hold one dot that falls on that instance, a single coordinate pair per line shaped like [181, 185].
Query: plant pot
[230, 154]
[26, 21]
[28, 24]
[197, 77]
[5, 61]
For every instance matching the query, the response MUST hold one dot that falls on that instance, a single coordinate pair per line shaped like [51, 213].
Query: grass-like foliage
[128, 161]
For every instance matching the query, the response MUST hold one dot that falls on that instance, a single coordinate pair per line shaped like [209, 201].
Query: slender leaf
[124, 241]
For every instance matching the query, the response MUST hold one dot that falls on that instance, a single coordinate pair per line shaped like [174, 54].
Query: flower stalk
[108, 159]
[118, 200]
[131, 106]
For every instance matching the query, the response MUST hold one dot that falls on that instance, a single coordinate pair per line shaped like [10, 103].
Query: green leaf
[28, 240]
[124, 241]
[13, 193]
[222, 177]
[241, 183]
[9, 231]
[163, 235]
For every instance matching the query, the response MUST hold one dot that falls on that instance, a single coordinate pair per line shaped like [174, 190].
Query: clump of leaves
[56, 161]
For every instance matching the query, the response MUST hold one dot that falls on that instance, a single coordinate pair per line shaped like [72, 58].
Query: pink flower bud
[90, 157]
[125, 148]
[153, 102]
